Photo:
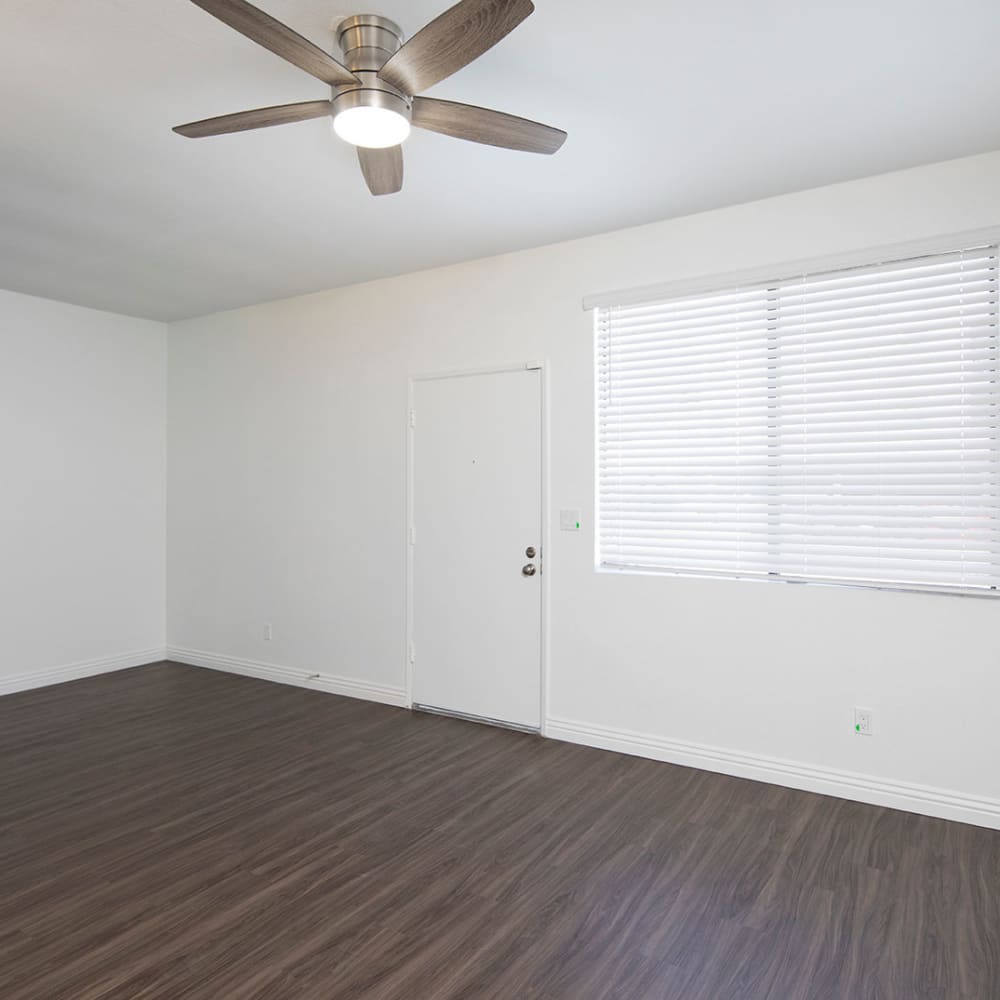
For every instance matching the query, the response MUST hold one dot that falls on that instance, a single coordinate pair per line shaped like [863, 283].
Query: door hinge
[413, 418]
[413, 653]
[413, 536]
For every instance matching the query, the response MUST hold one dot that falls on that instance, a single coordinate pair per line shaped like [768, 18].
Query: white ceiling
[671, 106]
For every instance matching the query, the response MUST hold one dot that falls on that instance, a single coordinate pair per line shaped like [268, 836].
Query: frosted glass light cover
[373, 128]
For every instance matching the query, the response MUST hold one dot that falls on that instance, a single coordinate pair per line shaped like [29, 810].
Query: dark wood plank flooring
[169, 832]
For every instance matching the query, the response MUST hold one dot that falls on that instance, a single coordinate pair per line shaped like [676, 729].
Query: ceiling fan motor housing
[367, 42]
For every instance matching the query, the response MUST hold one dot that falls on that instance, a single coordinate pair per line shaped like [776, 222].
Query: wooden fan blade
[279, 39]
[383, 169]
[494, 128]
[452, 41]
[282, 114]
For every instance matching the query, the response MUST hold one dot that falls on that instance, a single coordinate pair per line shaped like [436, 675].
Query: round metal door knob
[528, 570]
[530, 552]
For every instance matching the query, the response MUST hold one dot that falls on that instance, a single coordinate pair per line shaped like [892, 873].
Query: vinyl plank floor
[170, 833]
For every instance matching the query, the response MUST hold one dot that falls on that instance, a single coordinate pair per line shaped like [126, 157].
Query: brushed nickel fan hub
[371, 94]
[368, 41]
[369, 111]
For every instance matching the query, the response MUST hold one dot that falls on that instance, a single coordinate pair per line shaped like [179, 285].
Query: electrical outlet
[569, 520]
[863, 721]
[268, 632]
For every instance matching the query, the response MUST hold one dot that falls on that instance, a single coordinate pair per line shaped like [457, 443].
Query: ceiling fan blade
[383, 169]
[494, 128]
[282, 114]
[452, 41]
[279, 39]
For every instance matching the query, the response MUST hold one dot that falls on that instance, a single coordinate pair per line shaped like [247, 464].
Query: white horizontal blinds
[840, 426]
[889, 420]
[683, 402]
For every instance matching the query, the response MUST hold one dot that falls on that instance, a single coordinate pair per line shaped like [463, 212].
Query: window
[841, 427]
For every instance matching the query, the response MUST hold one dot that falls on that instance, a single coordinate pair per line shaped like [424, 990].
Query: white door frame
[543, 652]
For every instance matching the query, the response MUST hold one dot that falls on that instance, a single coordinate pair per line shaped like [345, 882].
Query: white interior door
[477, 511]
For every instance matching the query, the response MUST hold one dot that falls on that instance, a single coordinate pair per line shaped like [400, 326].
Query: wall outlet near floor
[863, 721]
[268, 632]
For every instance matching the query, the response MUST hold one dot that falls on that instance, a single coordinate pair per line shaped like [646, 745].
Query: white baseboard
[314, 680]
[75, 671]
[922, 799]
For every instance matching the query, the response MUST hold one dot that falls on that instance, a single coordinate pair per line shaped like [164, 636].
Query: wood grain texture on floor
[174, 833]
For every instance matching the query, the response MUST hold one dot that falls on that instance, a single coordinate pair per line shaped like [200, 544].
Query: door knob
[530, 552]
[528, 570]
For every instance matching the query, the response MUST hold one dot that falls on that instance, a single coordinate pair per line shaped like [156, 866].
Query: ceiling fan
[374, 100]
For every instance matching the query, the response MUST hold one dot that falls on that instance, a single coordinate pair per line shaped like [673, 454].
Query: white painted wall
[287, 505]
[82, 488]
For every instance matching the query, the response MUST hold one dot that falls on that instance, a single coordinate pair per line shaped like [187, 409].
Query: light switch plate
[569, 520]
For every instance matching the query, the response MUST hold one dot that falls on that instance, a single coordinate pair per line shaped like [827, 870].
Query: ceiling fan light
[371, 127]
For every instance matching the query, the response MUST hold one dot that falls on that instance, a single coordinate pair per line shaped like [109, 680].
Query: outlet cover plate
[569, 520]
[863, 721]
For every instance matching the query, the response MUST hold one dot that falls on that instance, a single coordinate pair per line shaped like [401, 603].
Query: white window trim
[787, 270]
[777, 272]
